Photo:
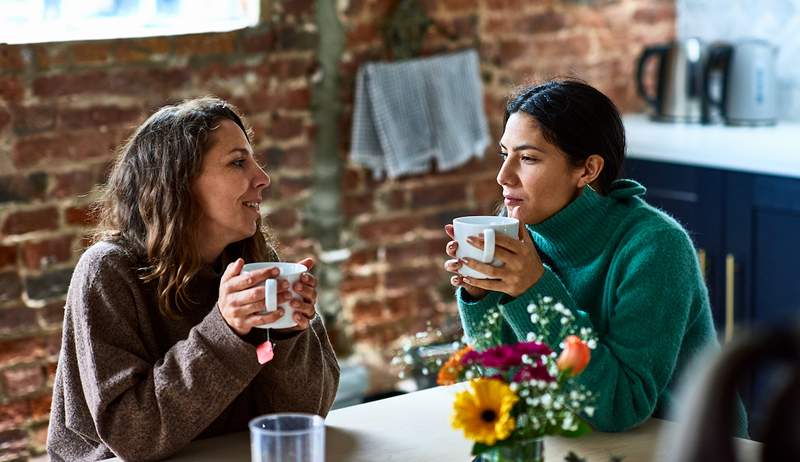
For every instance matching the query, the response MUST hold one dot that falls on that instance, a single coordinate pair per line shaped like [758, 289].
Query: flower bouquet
[520, 392]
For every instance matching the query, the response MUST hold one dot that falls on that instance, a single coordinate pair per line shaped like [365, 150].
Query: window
[31, 21]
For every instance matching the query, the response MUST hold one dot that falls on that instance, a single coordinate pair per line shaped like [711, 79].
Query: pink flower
[528, 372]
[532, 349]
[470, 357]
[500, 357]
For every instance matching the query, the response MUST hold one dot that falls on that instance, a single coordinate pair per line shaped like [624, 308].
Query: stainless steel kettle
[749, 84]
[680, 91]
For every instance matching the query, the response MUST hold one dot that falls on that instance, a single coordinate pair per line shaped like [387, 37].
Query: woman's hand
[304, 306]
[521, 265]
[241, 297]
[454, 264]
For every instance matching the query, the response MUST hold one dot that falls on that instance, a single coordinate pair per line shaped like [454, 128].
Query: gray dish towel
[407, 113]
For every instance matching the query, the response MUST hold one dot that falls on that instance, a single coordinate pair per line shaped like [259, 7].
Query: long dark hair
[578, 119]
[147, 204]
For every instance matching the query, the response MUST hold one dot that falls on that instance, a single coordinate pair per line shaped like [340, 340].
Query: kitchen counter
[768, 150]
[416, 428]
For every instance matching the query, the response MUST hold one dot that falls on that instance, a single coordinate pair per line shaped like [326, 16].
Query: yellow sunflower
[485, 412]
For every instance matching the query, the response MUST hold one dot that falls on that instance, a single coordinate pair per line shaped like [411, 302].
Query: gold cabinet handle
[701, 256]
[730, 269]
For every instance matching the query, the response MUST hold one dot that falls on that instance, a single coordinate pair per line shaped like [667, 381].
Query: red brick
[358, 204]
[205, 44]
[91, 53]
[37, 438]
[427, 248]
[22, 350]
[366, 311]
[465, 26]
[77, 182]
[23, 380]
[283, 219]
[5, 118]
[31, 119]
[17, 320]
[14, 414]
[31, 220]
[654, 14]
[57, 149]
[454, 6]
[438, 195]
[11, 57]
[136, 82]
[52, 316]
[363, 34]
[51, 56]
[418, 277]
[98, 115]
[143, 49]
[260, 40]
[353, 283]
[363, 256]
[298, 158]
[487, 190]
[291, 187]
[80, 216]
[298, 98]
[11, 88]
[23, 188]
[548, 21]
[353, 178]
[40, 406]
[381, 229]
[41, 254]
[10, 286]
[15, 445]
[286, 127]
[8, 255]
[298, 7]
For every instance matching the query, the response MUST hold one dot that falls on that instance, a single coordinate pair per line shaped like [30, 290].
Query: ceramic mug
[288, 271]
[489, 226]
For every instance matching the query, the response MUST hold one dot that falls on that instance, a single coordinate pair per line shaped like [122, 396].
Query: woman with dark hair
[159, 346]
[590, 241]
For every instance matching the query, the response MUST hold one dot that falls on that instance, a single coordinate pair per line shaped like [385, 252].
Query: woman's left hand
[521, 265]
[304, 306]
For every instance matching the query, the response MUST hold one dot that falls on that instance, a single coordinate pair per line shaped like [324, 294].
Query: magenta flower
[500, 357]
[470, 357]
[532, 349]
[528, 372]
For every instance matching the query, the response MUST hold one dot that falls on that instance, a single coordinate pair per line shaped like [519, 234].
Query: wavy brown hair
[147, 205]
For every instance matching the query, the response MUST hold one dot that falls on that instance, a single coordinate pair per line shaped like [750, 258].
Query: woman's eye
[238, 163]
[529, 160]
[502, 155]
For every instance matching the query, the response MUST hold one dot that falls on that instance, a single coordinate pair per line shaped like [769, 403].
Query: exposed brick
[15, 444]
[353, 283]
[655, 13]
[366, 311]
[11, 57]
[51, 56]
[40, 405]
[37, 438]
[438, 195]
[23, 188]
[134, 82]
[17, 320]
[283, 219]
[10, 286]
[32, 119]
[91, 53]
[82, 215]
[11, 88]
[31, 220]
[298, 7]
[454, 6]
[5, 118]
[427, 248]
[399, 278]
[358, 204]
[287, 68]
[205, 44]
[290, 187]
[52, 315]
[98, 115]
[23, 380]
[58, 149]
[361, 256]
[8, 255]
[382, 229]
[13, 415]
[363, 34]
[286, 127]
[298, 98]
[41, 254]
[22, 350]
[549, 21]
[295, 39]
[143, 49]
[49, 284]
[298, 158]
[438, 220]
[259, 40]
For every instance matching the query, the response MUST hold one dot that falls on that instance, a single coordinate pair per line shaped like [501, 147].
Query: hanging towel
[407, 113]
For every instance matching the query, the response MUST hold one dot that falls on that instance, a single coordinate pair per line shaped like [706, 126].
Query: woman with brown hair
[159, 346]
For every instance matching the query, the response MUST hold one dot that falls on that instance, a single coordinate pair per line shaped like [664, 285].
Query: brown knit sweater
[135, 384]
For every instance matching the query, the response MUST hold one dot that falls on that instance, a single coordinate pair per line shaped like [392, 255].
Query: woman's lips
[511, 201]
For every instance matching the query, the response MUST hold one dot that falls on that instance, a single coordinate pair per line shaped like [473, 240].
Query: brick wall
[64, 107]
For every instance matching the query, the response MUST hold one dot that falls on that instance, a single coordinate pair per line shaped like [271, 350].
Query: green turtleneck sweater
[628, 271]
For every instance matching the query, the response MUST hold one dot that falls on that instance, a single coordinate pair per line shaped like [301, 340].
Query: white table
[416, 428]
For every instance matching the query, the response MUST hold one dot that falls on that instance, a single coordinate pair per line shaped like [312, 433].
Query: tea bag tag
[264, 351]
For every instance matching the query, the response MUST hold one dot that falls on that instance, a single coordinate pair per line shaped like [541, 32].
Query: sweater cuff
[473, 311]
[235, 353]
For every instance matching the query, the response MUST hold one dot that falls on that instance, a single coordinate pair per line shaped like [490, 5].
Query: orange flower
[575, 356]
[449, 372]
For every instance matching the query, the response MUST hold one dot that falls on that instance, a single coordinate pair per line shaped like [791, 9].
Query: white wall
[777, 21]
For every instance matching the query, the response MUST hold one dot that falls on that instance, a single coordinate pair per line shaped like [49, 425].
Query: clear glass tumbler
[287, 438]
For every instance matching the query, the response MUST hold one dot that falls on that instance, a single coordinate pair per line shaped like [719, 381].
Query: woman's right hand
[241, 297]
[454, 265]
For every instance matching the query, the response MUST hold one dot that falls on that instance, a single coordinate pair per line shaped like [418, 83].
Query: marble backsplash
[776, 21]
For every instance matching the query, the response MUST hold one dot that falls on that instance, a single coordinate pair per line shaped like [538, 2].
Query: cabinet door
[693, 196]
[763, 244]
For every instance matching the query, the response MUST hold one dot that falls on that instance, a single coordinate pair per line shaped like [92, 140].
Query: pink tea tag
[264, 352]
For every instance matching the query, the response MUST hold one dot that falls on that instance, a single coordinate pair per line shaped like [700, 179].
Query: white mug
[488, 225]
[289, 271]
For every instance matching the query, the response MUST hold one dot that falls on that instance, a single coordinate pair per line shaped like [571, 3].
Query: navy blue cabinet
[746, 228]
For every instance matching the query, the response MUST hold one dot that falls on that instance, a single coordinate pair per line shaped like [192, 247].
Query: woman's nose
[262, 179]
[505, 176]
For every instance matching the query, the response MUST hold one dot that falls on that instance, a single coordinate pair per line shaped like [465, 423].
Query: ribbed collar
[580, 231]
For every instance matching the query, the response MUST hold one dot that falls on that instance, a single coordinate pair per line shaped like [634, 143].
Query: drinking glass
[287, 437]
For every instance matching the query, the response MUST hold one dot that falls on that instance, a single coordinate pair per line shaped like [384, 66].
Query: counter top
[768, 150]
[416, 428]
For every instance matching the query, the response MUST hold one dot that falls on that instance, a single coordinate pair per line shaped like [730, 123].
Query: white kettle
[749, 84]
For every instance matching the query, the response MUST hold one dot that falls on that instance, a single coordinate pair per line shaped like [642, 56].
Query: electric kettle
[680, 90]
[748, 86]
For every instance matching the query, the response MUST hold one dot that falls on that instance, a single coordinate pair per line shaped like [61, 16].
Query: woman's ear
[591, 170]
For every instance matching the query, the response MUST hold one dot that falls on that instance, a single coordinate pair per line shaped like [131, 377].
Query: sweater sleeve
[146, 408]
[653, 280]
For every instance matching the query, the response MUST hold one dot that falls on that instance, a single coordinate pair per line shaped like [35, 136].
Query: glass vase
[530, 450]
